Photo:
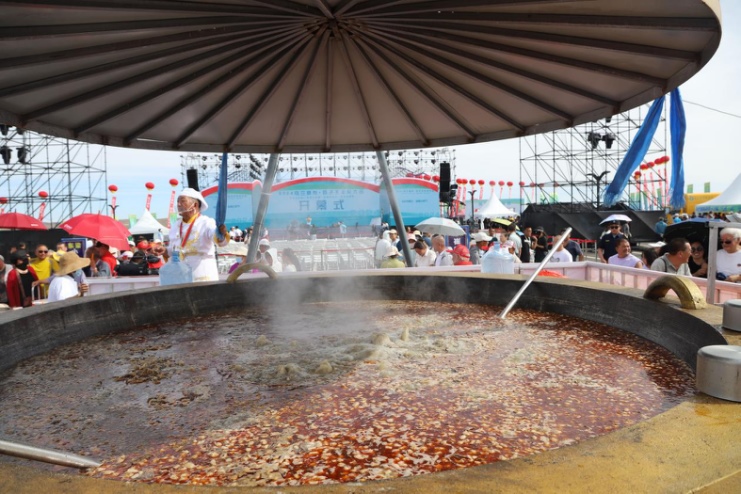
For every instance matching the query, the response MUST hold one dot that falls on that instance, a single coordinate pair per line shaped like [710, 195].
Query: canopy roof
[147, 224]
[729, 200]
[494, 209]
[338, 75]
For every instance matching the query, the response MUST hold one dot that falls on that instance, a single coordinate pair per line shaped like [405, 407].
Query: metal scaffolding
[291, 166]
[575, 165]
[49, 176]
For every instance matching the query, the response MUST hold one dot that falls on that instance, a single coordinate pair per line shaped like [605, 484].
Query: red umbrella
[19, 221]
[100, 227]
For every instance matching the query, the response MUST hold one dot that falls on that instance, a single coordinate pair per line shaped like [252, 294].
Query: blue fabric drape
[221, 201]
[635, 154]
[678, 127]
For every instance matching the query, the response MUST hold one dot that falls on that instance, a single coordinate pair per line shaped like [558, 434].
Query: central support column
[394, 206]
[262, 207]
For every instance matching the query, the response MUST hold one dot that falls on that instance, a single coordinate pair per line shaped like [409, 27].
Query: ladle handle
[46, 455]
[540, 267]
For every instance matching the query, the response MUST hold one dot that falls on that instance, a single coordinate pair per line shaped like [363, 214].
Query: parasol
[338, 75]
[100, 227]
[20, 221]
[620, 218]
[441, 226]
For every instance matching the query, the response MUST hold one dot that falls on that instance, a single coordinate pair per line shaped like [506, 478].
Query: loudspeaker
[444, 181]
[192, 175]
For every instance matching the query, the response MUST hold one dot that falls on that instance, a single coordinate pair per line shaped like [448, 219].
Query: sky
[710, 151]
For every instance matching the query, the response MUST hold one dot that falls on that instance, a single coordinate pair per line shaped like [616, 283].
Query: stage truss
[355, 166]
[50, 178]
[575, 165]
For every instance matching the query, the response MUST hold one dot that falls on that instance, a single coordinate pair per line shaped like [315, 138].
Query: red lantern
[43, 194]
[532, 184]
[665, 159]
[426, 177]
[501, 183]
[481, 183]
[651, 164]
[472, 182]
[113, 188]
[460, 181]
[3, 200]
[149, 185]
[644, 167]
[436, 178]
[410, 174]
[510, 184]
[522, 184]
[174, 182]
[492, 182]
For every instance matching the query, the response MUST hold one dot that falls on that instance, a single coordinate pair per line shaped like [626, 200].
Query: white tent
[147, 225]
[728, 201]
[493, 209]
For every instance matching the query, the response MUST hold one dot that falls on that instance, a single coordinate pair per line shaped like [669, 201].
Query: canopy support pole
[383, 165]
[46, 455]
[262, 207]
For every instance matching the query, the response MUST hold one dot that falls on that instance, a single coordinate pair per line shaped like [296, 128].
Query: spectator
[382, 246]
[3, 276]
[648, 257]
[19, 283]
[442, 256]
[481, 240]
[541, 244]
[290, 260]
[606, 247]
[728, 260]
[42, 266]
[675, 260]
[624, 257]
[64, 285]
[660, 227]
[137, 266]
[391, 259]
[425, 255]
[561, 254]
[697, 263]
[461, 256]
[106, 264]
[572, 247]
[514, 237]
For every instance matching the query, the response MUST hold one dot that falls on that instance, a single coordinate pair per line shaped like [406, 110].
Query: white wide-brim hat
[188, 192]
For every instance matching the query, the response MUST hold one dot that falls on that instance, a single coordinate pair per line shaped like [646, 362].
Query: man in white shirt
[728, 259]
[623, 256]
[561, 254]
[442, 256]
[425, 256]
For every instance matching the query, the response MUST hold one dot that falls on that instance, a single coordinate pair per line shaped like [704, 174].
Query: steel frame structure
[354, 165]
[574, 166]
[73, 174]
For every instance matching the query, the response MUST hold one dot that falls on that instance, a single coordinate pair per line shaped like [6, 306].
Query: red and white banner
[172, 208]
[149, 201]
[41, 211]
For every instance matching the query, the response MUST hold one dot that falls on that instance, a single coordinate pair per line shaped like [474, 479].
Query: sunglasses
[727, 242]
[614, 227]
[42, 251]
[697, 249]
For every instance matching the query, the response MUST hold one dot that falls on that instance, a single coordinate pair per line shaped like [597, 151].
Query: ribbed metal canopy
[338, 75]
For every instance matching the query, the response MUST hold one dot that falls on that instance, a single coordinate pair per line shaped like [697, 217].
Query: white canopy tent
[728, 201]
[494, 209]
[148, 225]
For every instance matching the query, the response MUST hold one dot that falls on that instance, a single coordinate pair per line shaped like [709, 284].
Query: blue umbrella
[221, 201]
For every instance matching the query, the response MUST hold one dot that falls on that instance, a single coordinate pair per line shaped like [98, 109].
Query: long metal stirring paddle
[540, 267]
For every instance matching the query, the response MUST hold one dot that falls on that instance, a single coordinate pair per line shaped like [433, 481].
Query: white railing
[587, 270]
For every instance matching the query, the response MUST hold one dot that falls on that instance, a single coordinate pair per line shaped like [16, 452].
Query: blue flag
[678, 127]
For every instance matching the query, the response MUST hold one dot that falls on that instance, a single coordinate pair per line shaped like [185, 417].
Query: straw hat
[71, 262]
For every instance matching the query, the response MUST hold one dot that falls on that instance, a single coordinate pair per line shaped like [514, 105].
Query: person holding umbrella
[607, 245]
[194, 235]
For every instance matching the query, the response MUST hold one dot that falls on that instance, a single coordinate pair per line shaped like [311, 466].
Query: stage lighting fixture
[23, 155]
[593, 138]
[4, 129]
[6, 153]
[609, 138]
